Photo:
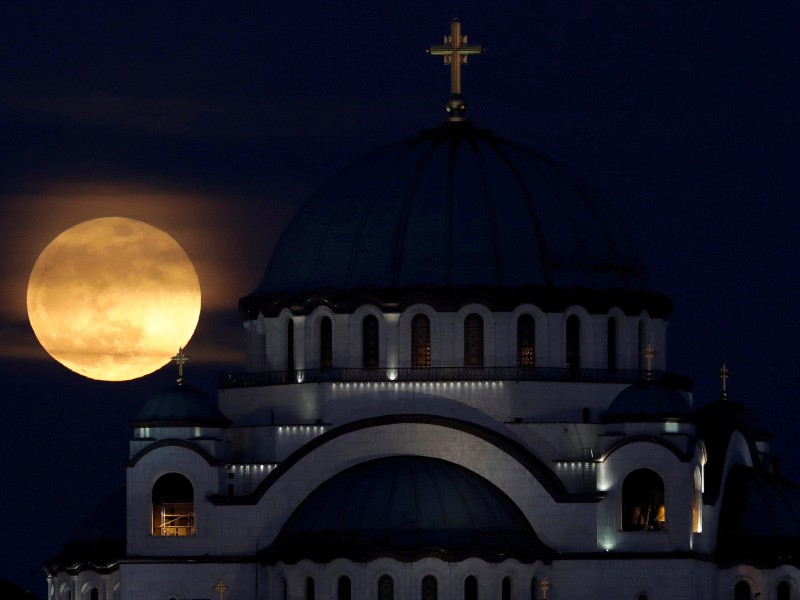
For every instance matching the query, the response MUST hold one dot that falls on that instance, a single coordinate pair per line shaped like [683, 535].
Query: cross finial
[649, 353]
[181, 359]
[221, 588]
[545, 585]
[455, 51]
[723, 374]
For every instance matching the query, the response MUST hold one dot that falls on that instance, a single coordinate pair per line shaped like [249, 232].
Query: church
[456, 388]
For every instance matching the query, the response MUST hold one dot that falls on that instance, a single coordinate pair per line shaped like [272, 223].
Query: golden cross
[181, 359]
[545, 585]
[221, 588]
[723, 374]
[455, 51]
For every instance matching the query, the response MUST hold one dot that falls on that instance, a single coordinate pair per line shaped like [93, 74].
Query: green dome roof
[181, 405]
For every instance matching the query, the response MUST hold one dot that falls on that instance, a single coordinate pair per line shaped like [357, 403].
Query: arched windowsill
[644, 531]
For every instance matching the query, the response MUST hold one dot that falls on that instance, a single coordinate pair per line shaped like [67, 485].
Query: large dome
[453, 209]
[407, 507]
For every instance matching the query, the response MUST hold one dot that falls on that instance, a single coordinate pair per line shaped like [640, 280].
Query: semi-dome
[180, 405]
[455, 210]
[649, 400]
[407, 507]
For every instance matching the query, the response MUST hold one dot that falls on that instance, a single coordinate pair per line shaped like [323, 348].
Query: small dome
[454, 209]
[406, 507]
[181, 405]
[648, 401]
[99, 542]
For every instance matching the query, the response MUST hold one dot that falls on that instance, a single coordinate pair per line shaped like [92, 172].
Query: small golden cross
[545, 585]
[455, 51]
[181, 359]
[723, 374]
[221, 588]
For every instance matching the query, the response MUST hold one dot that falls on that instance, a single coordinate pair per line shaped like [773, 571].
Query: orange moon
[113, 298]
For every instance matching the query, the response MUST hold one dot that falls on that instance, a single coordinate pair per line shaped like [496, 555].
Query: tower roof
[181, 405]
[454, 209]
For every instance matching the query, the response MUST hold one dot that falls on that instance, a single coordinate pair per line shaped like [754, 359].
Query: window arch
[611, 344]
[344, 588]
[643, 507]
[473, 340]
[784, 591]
[573, 345]
[533, 588]
[428, 588]
[370, 338]
[290, 346]
[325, 343]
[526, 341]
[420, 341]
[505, 592]
[310, 592]
[741, 591]
[94, 594]
[173, 506]
[471, 588]
[385, 588]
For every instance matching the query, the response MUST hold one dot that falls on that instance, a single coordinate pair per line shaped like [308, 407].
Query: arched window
[309, 588]
[94, 594]
[173, 506]
[573, 346]
[343, 588]
[741, 591]
[290, 346]
[533, 588]
[285, 589]
[325, 343]
[642, 346]
[428, 589]
[473, 341]
[420, 342]
[526, 344]
[369, 342]
[643, 506]
[611, 344]
[641, 597]
[505, 592]
[697, 503]
[784, 591]
[471, 588]
[385, 588]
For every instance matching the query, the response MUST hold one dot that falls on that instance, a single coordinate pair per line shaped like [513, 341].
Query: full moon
[113, 298]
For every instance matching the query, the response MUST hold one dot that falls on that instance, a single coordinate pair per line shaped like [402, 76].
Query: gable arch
[186, 445]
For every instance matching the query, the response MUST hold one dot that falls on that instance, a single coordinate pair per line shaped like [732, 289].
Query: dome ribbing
[454, 209]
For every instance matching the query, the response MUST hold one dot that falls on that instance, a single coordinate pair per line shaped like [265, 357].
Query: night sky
[214, 121]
